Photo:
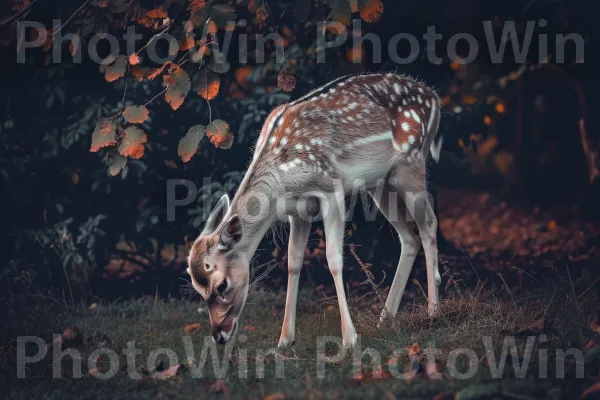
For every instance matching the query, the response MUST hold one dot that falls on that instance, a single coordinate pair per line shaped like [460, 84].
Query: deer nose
[222, 333]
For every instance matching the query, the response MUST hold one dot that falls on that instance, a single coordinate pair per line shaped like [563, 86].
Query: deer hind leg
[411, 183]
[299, 232]
[333, 222]
[391, 205]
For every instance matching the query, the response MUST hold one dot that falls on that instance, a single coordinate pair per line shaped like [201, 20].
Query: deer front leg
[333, 223]
[299, 231]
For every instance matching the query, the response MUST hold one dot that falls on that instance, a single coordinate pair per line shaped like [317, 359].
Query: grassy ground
[566, 319]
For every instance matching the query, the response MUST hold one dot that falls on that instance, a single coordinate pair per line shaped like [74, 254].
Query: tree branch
[76, 13]
[19, 14]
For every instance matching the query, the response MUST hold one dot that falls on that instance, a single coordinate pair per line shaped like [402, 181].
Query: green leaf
[188, 145]
[116, 164]
[218, 62]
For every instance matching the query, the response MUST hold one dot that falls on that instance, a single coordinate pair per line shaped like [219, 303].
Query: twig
[585, 291]
[509, 292]
[76, 13]
[155, 97]
[122, 100]
[19, 14]
[469, 260]
[571, 280]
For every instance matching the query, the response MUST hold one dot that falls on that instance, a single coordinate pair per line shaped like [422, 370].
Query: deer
[377, 129]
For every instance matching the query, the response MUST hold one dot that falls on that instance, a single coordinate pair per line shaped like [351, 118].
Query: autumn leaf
[207, 84]
[219, 134]
[116, 164]
[134, 59]
[196, 5]
[140, 73]
[341, 12]
[188, 145]
[69, 338]
[157, 13]
[178, 85]
[413, 349]
[191, 328]
[104, 135]
[132, 144]
[370, 10]
[168, 373]
[275, 396]
[218, 387]
[135, 114]
[354, 5]
[115, 69]
[218, 62]
[286, 80]
[595, 325]
[592, 390]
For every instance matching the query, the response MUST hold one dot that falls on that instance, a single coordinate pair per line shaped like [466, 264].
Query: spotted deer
[374, 129]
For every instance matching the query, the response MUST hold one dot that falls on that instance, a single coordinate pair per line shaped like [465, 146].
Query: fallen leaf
[275, 396]
[218, 387]
[191, 328]
[166, 374]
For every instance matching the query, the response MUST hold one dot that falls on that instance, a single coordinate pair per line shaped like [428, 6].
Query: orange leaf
[132, 144]
[414, 349]
[219, 134]
[487, 120]
[136, 114]
[191, 328]
[104, 135]
[178, 85]
[275, 396]
[134, 59]
[207, 85]
[470, 100]
[595, 325]
[157, 13]
[500, 108]
[187, 43]
[116, 69]
[370, 10]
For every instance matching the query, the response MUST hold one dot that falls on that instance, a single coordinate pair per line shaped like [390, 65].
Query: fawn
[374, 129]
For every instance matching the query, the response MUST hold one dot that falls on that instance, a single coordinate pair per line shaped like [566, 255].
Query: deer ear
[231, 233]
[216, 216]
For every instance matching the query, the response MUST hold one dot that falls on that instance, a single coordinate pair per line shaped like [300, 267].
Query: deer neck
[255, 203]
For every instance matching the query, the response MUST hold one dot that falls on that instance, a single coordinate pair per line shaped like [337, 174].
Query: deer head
[219, 270]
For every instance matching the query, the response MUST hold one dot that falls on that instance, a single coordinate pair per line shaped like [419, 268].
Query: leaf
[207, 85]
[167, 374]
[191, 328]
[104, 135]
[219, 134]
[134, 59]
[116, 164]
[370, 10]
[414, 349]
[157, 13]
[132, 144]
[286, 80]
[218, 62]
[301, 9]
[218, 387]
[116, 69]
[595, 325]
[341, 12]
[136, 114]
[188, 145]
[178, 85]
[594, 389]
[354, 5]
[275, 396]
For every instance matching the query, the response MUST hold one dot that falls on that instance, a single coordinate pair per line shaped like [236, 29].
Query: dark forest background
[78, 225]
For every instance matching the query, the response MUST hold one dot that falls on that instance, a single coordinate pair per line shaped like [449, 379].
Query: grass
[463, 321]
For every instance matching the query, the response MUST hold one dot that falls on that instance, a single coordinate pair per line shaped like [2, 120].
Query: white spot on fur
[411, 139]
[283, 141]
[415, 116]
[405, 126]
[404, 146]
